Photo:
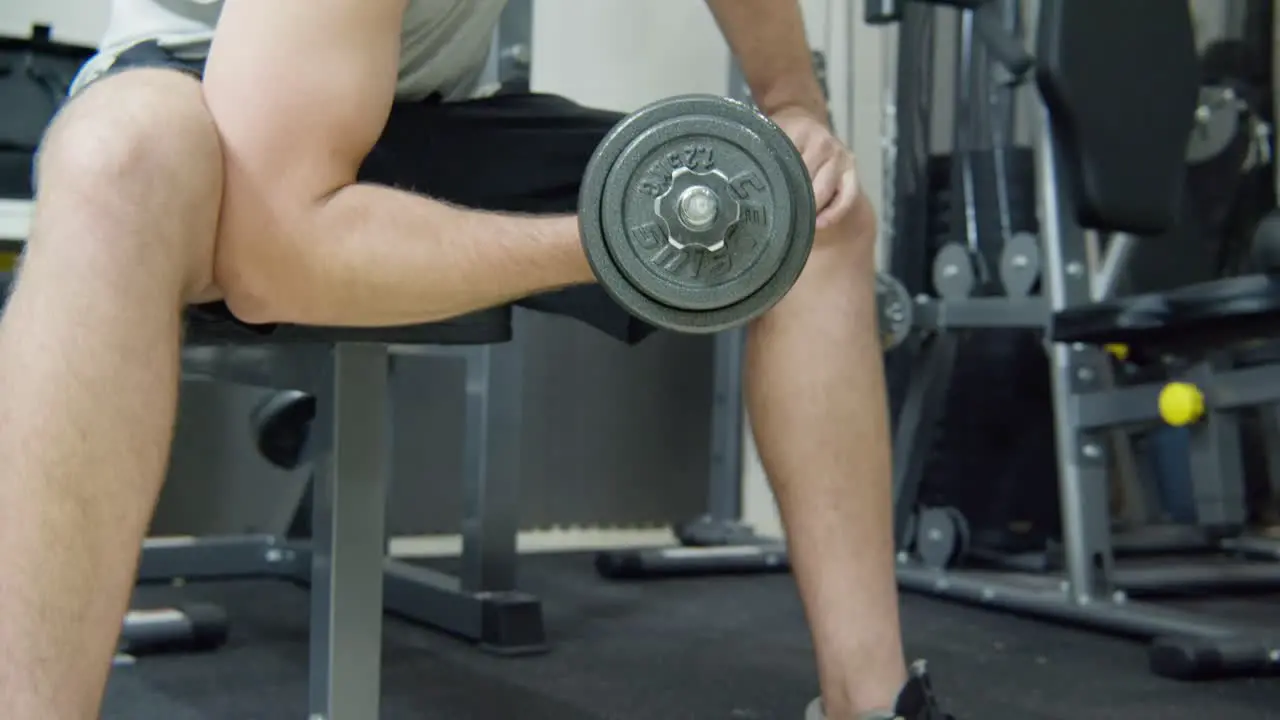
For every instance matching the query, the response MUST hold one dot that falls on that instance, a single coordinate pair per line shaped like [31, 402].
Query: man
[253, 172]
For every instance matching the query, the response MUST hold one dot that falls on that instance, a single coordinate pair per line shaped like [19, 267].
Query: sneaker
[915, 702]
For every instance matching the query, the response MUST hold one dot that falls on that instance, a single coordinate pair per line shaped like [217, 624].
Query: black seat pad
[1121, 81]
[1112, 321]
[486, 327]
[1202, 316]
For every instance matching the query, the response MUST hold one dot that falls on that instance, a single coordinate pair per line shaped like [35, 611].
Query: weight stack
[947, 199]
[994, 457]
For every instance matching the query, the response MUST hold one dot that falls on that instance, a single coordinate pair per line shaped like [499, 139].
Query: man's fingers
[815, 158]
[818, 152]
[826, 184]
[846, 194]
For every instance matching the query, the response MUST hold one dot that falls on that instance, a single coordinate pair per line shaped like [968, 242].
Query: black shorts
[512, 152]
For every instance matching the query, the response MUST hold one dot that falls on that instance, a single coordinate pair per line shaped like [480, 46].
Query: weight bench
[345, 561]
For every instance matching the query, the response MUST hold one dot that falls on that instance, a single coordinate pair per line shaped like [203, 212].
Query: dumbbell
[895, 311]
[697, 213]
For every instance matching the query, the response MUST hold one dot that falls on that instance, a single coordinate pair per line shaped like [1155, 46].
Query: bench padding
[1191, 319]
[1120, 79]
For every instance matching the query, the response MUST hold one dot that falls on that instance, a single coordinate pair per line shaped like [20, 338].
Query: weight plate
[895, 310]
[1218, 116]
[941, 537]
[1020, 264]
[661, 255]
[964, 537]
[701, 144]
[953, 272]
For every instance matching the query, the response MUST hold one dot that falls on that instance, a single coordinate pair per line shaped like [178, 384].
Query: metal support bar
[1051, 598]
[506, 623]
[1224, 391]
[724, 496]
[1115, 261]
[1082, 482]
[220, 558]
[349, 516]
[1031, 313]
[1190, 576]
[491, 468]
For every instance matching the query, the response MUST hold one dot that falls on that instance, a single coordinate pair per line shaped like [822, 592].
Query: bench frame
[345, 562]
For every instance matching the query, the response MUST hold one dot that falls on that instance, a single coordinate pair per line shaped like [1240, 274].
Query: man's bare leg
[128, 197]
[816, 396]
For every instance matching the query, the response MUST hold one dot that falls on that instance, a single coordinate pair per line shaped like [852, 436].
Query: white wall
[80, 22]
[621, 54]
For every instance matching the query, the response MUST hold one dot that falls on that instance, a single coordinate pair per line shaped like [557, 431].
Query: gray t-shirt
[444, 43]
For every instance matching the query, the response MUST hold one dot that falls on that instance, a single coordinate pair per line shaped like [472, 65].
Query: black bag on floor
[35, 75]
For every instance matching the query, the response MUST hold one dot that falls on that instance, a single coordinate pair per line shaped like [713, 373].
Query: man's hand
[830, 164]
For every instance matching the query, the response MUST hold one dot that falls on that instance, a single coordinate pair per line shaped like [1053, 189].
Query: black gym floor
[702, 649]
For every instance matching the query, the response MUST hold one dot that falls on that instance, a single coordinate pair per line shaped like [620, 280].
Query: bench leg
[349, 517]
[491, 469]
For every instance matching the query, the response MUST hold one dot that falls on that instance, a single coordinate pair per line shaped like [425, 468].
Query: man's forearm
[768, 39]
[372, 256]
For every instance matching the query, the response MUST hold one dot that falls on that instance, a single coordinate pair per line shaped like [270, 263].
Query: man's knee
[132, 127]
[853, 238]
[139, 142]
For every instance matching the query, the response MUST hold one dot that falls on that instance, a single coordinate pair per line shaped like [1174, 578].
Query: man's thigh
[522, 153]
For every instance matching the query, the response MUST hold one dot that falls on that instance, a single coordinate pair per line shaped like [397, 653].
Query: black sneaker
[915, 701]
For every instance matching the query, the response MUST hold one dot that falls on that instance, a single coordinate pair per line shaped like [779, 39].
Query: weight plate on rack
[954, 276]
[1218, 117]
[895, 310]
[697, 213]
[942, 537]
[1020, 264]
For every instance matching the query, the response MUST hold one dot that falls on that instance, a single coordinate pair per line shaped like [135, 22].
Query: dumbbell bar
[697, 214]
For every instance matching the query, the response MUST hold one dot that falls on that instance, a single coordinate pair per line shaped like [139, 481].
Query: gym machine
[1049, 274]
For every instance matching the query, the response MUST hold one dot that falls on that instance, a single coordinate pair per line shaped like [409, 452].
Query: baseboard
[15, 219]
[539, 541]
